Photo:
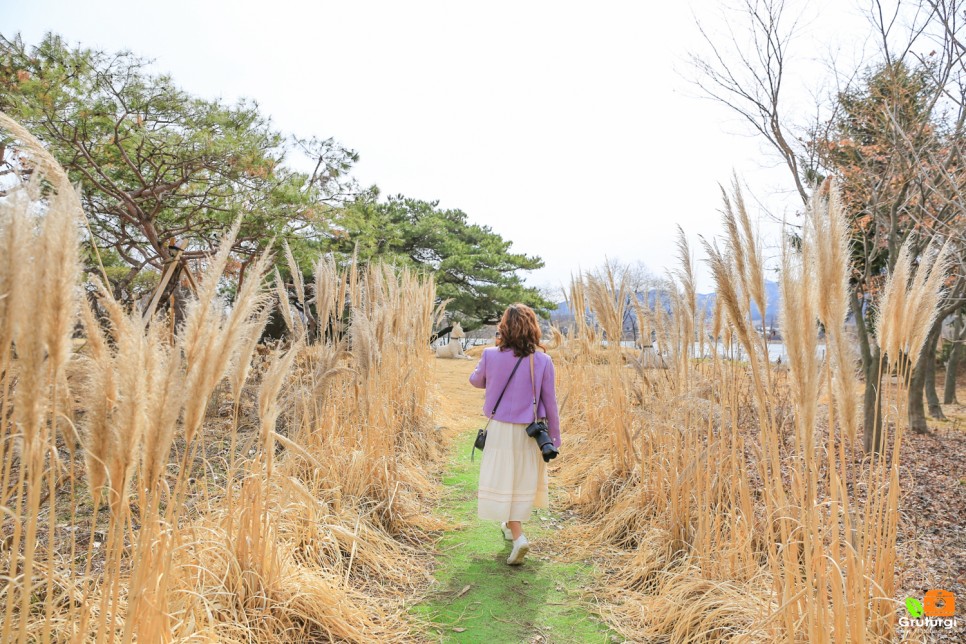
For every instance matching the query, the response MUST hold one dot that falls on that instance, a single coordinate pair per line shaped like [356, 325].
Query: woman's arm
[548, 395]
[478, 377]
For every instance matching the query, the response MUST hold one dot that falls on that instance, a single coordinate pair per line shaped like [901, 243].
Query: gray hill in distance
[705, 302]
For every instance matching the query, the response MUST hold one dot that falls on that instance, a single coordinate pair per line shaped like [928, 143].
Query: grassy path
[479, 598]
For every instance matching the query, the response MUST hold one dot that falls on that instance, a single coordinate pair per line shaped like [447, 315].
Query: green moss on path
[480, 598]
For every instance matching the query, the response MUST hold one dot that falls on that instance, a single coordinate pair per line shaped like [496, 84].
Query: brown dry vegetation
[182, 485]
[731, 501]
[163, 486]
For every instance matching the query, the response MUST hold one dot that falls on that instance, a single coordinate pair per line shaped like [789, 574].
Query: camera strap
[533, 384]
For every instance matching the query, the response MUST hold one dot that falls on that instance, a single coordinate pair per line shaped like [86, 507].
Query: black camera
[539, 432]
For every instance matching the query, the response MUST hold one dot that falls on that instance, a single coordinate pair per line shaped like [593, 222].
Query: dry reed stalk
[799, 315]
[188, 566]
[388, 345]
[326, 289]
[210, 336]
[38, 280]
[754, 280]
[256, 581]
[268, 409]
[284, 307]
[584, 334]
[742, 521]
[297, 280]
[241, 362]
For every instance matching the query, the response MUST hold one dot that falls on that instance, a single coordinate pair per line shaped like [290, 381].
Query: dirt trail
[478, 597]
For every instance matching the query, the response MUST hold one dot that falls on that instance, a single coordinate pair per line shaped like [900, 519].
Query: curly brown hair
[519, 330]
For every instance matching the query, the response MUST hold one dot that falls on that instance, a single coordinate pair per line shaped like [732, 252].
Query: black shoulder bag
[480, 441]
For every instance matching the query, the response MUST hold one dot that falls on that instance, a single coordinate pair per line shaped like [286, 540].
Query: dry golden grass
[133, 513]
[726, 503]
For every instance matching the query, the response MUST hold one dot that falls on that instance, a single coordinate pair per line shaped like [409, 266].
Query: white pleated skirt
[513, 476]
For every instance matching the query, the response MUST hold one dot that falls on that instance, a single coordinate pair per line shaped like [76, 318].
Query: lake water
[776, 350]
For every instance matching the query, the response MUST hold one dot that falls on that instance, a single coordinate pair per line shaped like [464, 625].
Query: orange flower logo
[939, 603]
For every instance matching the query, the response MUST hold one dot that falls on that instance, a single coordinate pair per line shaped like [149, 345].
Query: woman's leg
[516, 529]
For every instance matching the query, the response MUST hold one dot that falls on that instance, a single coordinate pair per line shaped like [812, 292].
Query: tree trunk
[871, 402]
[917, 411]
[952, 362]
[872, 405]
[242, 269]
[917, 384]
[929, 356]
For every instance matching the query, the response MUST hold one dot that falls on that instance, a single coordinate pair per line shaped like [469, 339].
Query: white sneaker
[506, 532]
[520, 549]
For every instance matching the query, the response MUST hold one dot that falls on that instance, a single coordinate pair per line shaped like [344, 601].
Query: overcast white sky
[569, 128]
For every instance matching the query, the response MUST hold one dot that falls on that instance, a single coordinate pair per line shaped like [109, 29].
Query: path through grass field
[479, 598]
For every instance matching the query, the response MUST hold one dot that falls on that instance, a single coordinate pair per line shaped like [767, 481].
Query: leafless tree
[913, 188]
[745, 71]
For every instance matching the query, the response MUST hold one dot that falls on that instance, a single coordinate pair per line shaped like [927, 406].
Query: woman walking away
[519, 385]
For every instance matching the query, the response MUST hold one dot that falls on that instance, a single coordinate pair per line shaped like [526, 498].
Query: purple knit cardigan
[517, 404]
